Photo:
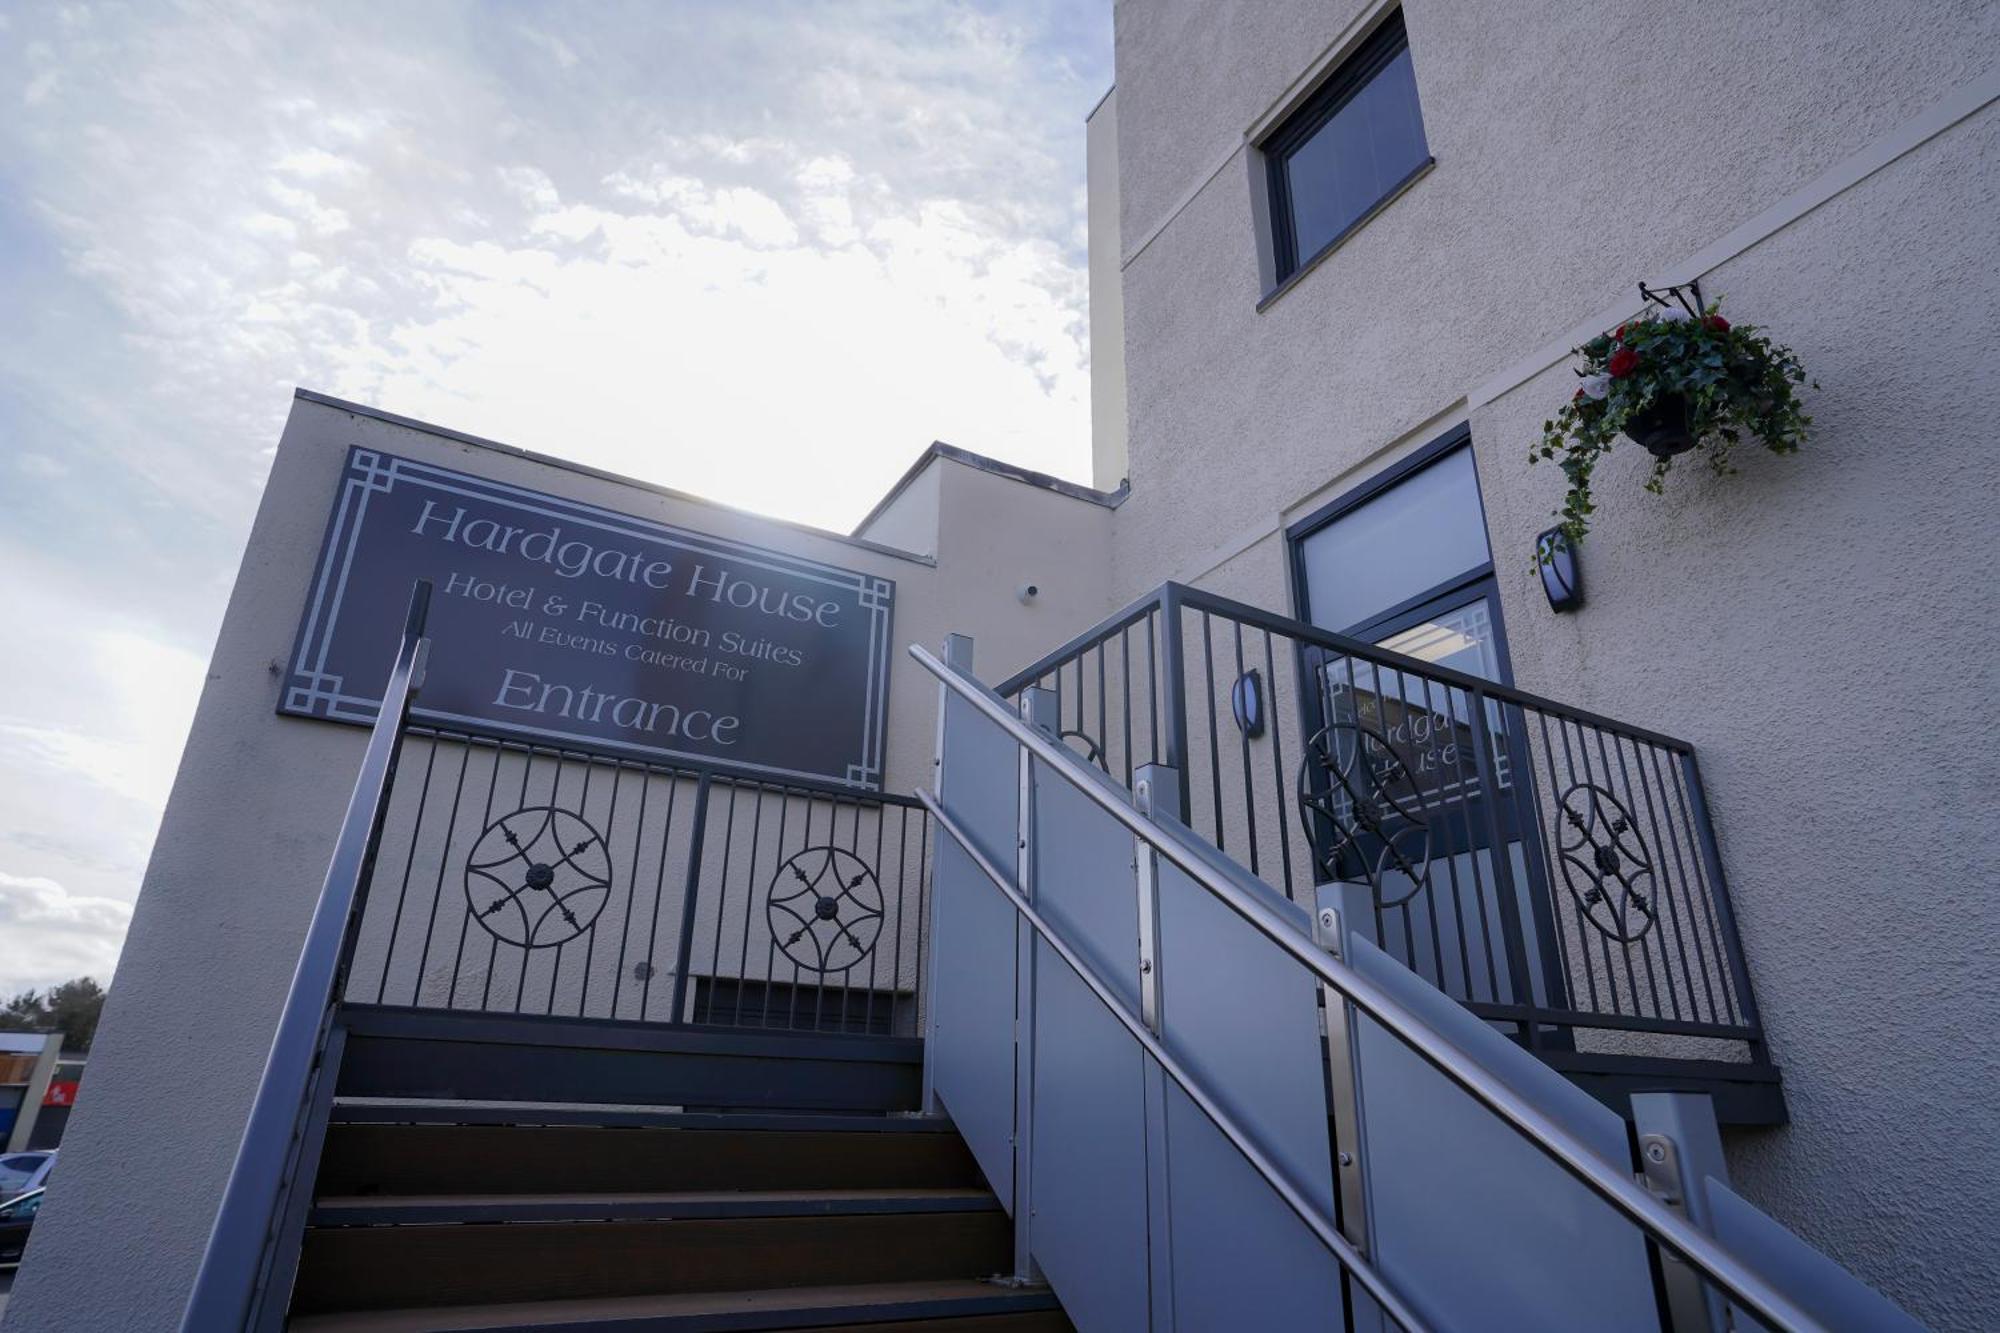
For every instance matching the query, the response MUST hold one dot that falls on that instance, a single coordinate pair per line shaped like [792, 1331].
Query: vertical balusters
[1243, 736]
[659, 892]
[1274, 728]
[465, 749]
[1690, 896]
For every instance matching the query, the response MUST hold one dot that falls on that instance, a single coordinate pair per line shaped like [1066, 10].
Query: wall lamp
[1246, 701]
[1562, 576]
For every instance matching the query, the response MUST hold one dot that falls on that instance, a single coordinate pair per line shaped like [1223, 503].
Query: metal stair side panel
[973, 960]
[1476, 1224]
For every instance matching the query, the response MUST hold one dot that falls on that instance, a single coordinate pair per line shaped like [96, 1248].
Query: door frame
[1462, 589]
[1447, 596]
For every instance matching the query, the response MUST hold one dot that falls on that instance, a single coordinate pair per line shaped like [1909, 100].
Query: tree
[71, 1008]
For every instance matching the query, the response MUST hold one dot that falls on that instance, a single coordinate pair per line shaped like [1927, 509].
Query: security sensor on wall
[1027, 592]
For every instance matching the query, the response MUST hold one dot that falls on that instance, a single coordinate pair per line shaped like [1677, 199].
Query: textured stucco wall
[244, 842]
[1107, 298]
[1822, 628]
[991, 545]
[910, 521]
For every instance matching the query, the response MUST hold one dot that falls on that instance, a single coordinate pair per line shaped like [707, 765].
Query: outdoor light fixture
[1562, 577]
[1246, 701]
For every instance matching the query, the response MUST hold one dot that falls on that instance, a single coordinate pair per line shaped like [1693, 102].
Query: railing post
[1155, 787]
[1173, 676]
[232, 1288]
[957, 654]
[1718, 888]
[1040, 709]
[1345, 1101]
[690, 896]
[1513, 938]
[1680, 1150]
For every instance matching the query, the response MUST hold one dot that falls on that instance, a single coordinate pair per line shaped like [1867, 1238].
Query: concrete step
[390, 1159]
[402, 1267]
[439, 1209]
[902, 1307]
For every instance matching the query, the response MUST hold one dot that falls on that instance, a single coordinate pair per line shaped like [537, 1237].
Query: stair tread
[659, 1196]
[888, 1300]
[377, 1209]
[377, 1111]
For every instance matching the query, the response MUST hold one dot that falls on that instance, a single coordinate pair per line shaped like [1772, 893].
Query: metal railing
[1550, 868]
[1759, 1293]
[501, 877]
[231, 1284]
[521, 878]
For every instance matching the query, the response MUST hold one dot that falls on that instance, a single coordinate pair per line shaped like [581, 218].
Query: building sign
[561, 622]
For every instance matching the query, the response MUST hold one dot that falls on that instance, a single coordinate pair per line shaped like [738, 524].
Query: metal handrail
[1274, 1175]
[229, 1284]
[1181, 847]
[691, 769]
[1169, 596]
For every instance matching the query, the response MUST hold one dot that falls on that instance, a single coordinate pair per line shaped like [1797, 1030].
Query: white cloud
[49, 935]
[764, 252]
[317, 164]
[555, 47]
[41, 465]
[95, 711]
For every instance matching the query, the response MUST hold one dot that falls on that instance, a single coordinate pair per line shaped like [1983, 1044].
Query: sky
[764, 252]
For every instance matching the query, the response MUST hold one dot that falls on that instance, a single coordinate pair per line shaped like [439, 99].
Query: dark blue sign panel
[564, 623]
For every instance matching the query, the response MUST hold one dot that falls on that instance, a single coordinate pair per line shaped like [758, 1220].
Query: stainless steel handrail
[1735, 1278]
[1274, 1175]
[227, 1286]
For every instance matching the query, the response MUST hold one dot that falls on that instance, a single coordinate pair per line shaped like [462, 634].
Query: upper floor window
[1409, 537]
[1358, 140]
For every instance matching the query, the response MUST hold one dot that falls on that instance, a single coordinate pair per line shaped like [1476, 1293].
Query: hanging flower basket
[1680, 378]
[1662, 429]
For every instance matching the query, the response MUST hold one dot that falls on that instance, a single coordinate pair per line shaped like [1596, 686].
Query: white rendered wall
[247, 831]
[1820, 627]
[910, 521]
[1107, 299]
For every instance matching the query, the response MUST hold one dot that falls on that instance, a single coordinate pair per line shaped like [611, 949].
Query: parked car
[24, 1171]
[16, 1217]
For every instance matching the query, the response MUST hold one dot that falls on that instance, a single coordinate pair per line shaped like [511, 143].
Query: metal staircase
[672, 1111]
[454, 1214]
[1120, 1080]
[1207, 1107]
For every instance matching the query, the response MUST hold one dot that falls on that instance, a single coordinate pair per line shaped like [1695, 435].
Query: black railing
[1553, 869]
[522, 879]
[255, 1221]
[478, 874]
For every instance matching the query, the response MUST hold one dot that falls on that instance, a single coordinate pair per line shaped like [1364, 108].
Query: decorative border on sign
[312, 691]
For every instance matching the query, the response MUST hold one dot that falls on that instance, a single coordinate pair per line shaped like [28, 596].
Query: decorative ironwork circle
[1366, 808]
[1092, 751]
[1605, 863]
[824, 906]
[538, 878]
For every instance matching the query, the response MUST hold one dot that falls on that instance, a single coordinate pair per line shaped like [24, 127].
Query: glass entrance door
[1410, 804]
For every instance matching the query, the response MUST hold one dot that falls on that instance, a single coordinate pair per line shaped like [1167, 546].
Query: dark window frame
[1477, 581]
[1388, 41]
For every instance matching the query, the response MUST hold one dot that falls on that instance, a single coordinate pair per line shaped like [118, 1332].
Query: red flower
[1619, 332]
[1718, 323]
[1622, 363]
[1578, 397]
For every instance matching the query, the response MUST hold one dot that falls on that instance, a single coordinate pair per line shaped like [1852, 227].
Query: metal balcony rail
[1550, 868]
[524, 879]
[502, 877]
[231, 1283]
[1295, 1197]
[1757, 1291]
